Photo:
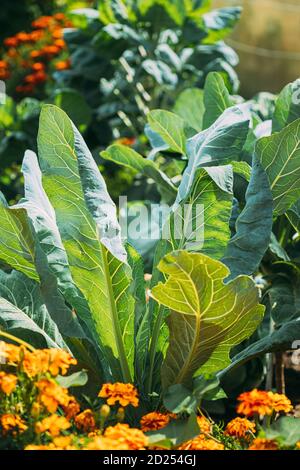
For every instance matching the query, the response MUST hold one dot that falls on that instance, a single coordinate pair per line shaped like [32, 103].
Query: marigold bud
[105, 411]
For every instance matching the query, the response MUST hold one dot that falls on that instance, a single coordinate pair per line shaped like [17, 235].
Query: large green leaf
[170, 127]
[216, 98]
[280, 156]
[190, 107]
[128, 157]
[86, 218]
[287, 106]
[201, 221]
[286, 430]
[293, 215]
[17, 245]
[207, 316]
[50, 257]
[23, 312]
[218, 145]
[253, 226]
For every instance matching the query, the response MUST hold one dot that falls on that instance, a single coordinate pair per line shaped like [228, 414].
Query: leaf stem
[17, 340]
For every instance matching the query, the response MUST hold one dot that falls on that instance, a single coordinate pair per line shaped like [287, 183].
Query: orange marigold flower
[280, 402]
[201, 443]
[36, 35]
[59, 16]
[4, 74]
[23, 37]
[57, 33]
[36, 53]
[134, 438]
[8, 383]
[10, 423]
[9, 353]
[154, 420]
[298, 445]
[60, 43]
[50, 50]
[52, 395]
[63, 65]
[38, 66]
[126, 141]
[72, 409]
[240, 428]
[53, 424]
[204, 424]
[50, 360]
[3, 64]
[39, 447]
[63, 443]
[104, 443]
[11, 42]
[42, 22]
[125, 394]
[30, 78]
[255, 402]
[263, 444]
[85, 421]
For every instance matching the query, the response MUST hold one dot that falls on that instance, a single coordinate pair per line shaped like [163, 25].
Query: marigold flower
[52, 395]
[39, 447]
[72, 408]
[35, 54]
[50, 50]
[38, 66]
[59, 16]
[57, 33]
[13, 424]
[63, 443]
[23, 37]
[125, 394]
[263, 444]
[50, 360]
[9, 353]
[8, 382]
[85, 421]
[201, 443]
[124, 435]
[255, 402]
[204, 424]
[298, 445]
[129, 141]
[60, 43]
[12, 52]
[104, 443]
[3, 64]
[53, 424]
[280, 402]
[4, 74]
[42, 22]
[63, 65]
[240, 428]
[154, 420]
[11, 42]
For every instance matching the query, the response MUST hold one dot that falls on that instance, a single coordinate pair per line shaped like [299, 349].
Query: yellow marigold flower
[85, 421]
[125, 394]
[124, 435]
[280, 402]
[55, 361]
[72, 409]
[8, 383]
[201, 443]
[240, 428]
[263, 444]
[9, 353]
[53, 424]
[104, 443]
[64, 442]
[255, 402]
[10, 423]
[298, 445]
[204, 424]
[40, 447]
[154, 420]
[52, 395]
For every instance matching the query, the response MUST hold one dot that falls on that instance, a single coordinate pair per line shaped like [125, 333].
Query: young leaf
[287, 106]
[170, 127]
[218, 145]
[279, 154]
[207, 316]
[89, 230]
[128, 157]
[190, 107]
[216, 98]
